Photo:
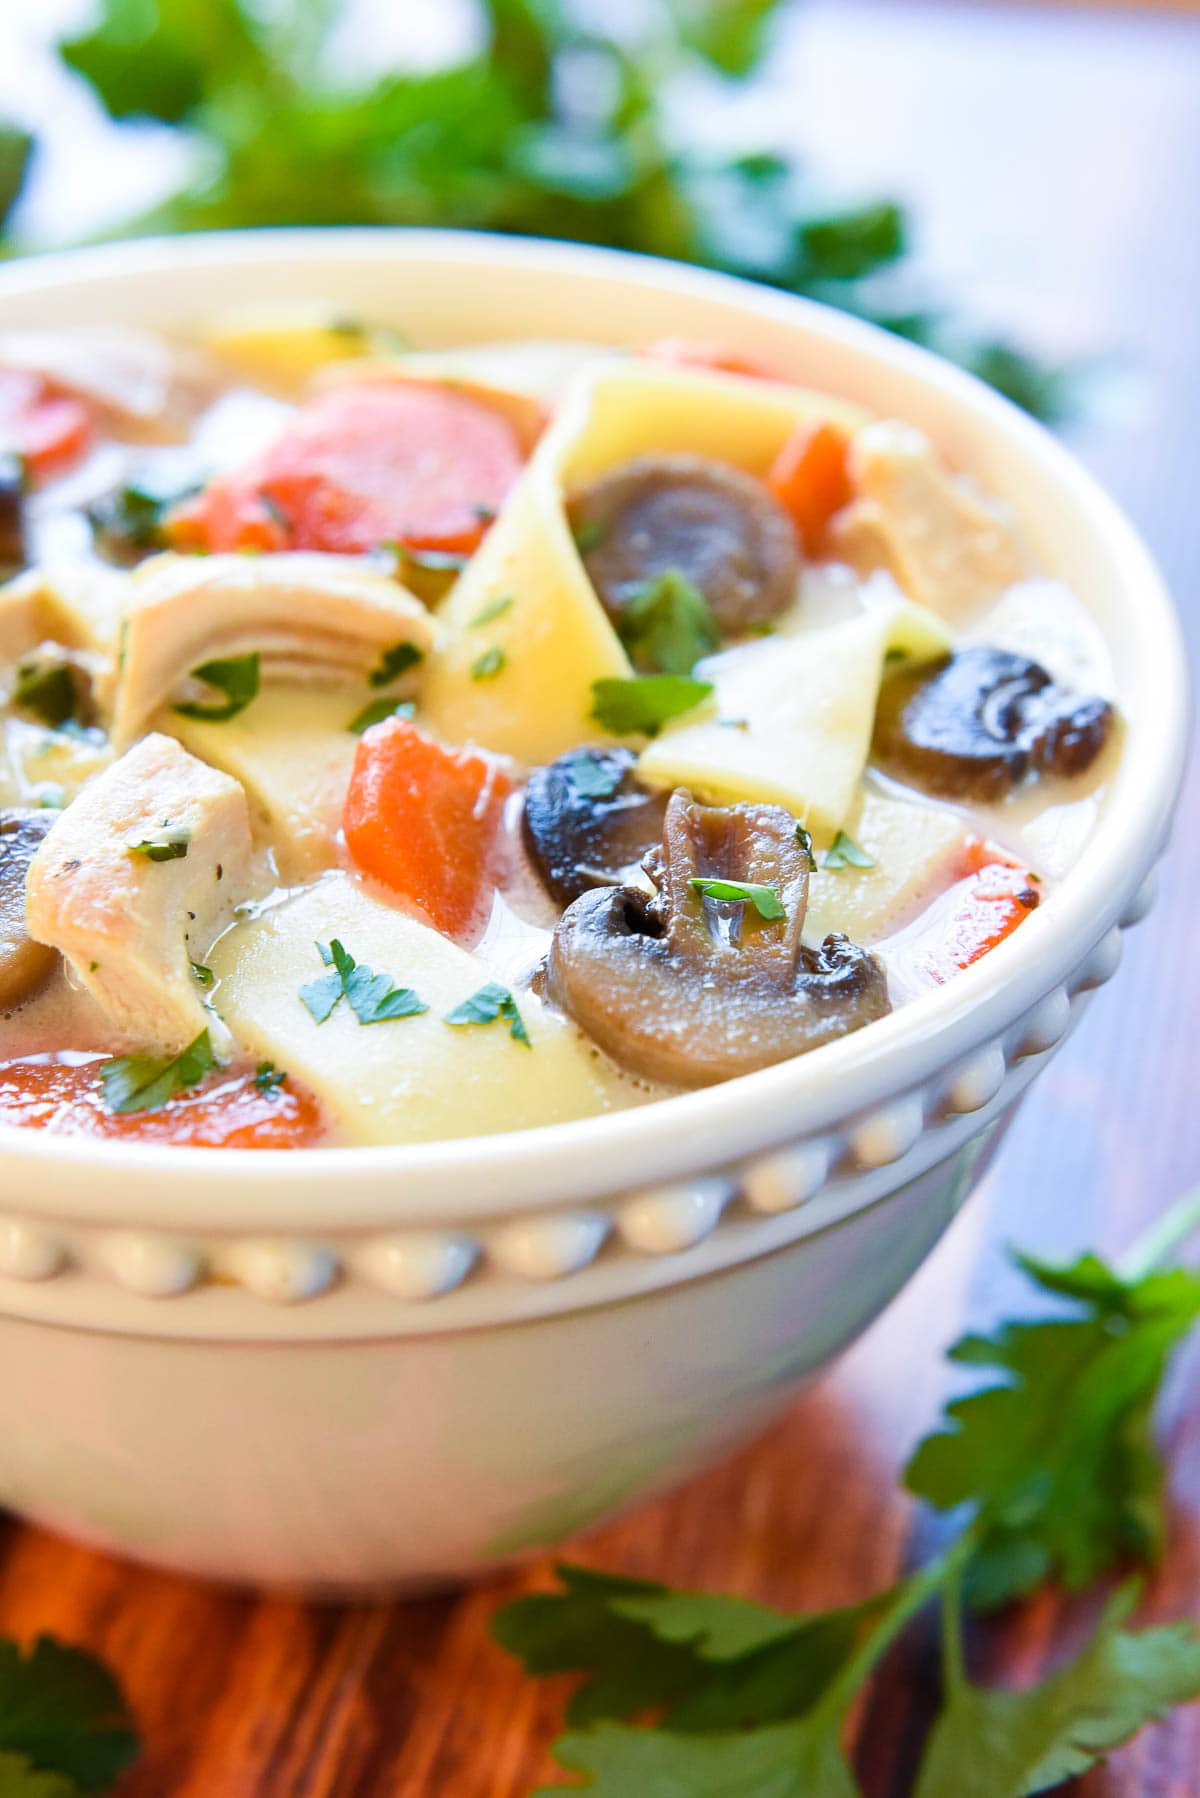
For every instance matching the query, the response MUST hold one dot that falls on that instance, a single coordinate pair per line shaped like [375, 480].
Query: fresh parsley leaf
[844, 852]
[489, 664]
[783, 1760]
[765, 900]
[592, 775]
[65, 1713]
[235, 676]
[47, 689]
[377, 710]
[495, 608]
[372, 997]
[804, 838]
[129, 520]
[204, 977]
[16, 149]
[588, 535]
[484, 1007]
[169, 845]
[19, 1778]
[645, 703]
[394, 662]
[268, 1078]
[667, 626]
[148, 1082]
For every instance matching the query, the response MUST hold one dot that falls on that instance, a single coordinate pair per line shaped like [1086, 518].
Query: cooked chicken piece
[946, 548]
[135, 881]
[77, 604]
[148, 386]
[308, 617]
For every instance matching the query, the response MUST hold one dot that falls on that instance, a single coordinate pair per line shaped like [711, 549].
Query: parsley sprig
[667, 626]
[65, 1728]
[372, 997]
[1051, 1466]
[485, 1006]
[148, 1082]
[237, 677]
[647, 702]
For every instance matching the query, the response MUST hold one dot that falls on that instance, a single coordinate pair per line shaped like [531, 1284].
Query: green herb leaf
[170, 844]
[148, 1082]
[844, 852]
[804, 838]
[489, 664]
[667, 626]
[204, 977]
[645, 703]
[377, 710]
[484, 1007]
[765, 900]
[47, 689]
[783, 1760]
[129, 520]
[495, 608]
[19, 1778]
[65, 1714]
[268, 1078]
[235, 676]
[16, 149]
[594, 776]
[372, 997]
[588, 535]
[394, 662]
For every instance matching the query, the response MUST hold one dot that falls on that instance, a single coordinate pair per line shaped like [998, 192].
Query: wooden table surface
[1058, 159]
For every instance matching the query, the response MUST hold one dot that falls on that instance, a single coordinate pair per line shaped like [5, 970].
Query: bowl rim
[673, 1138]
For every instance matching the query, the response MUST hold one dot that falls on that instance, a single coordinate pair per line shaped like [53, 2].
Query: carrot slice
[425, 821]
[989, 906]
[47, 429]
[811, 481]
[695, 352]
[366, 463]
[63, 1094]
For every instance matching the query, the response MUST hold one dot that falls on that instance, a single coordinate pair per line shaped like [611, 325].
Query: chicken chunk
[135, 881]
[308, 617]
[946, 548]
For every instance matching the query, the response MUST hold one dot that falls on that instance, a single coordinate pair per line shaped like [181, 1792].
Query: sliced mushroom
[977, 724]
[135, 881]
[587, 819]
[711, 522]
[24, 964]
[690, 990]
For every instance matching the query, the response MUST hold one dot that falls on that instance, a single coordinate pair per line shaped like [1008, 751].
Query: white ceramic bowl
[352, 1369]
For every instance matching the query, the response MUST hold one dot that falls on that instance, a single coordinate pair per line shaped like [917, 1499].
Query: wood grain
[989, 117]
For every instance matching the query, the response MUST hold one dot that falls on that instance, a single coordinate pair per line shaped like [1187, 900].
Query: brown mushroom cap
[24, 964]
[689, 990]
[975, 725]
[710, 522]
[586, 820]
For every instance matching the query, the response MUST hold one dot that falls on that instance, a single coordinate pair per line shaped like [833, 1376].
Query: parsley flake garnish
[148, 1082]
[645, 703]
[484, 1007]
[844, 852]
[67, 1728]
[589, 534]
[765, 900]
[201, 975]
[130, 518]
[593, 775]
[489, 664]
[372, 997]
[268, 1078]
[394, 662]
[47, 689]
[377, 710]
[170, 845]
[495, 608]
[804, 838]
[235, 676]
[666, 625]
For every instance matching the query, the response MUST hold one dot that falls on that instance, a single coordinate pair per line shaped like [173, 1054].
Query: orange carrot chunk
[425, 821]
[364, 464]
[810, 479]
[64, 1094]
[990, 905]
[47, 429]
[695, 352]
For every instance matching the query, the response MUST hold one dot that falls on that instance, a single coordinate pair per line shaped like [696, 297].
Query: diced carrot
[988, 907]
[364, 464]
[63, 1093]
[49, 430]
[977, 853]
[811, 481]
[694, 352]
[425, 821]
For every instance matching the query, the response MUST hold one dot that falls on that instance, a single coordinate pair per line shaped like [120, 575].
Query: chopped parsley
[47, 689]
[148, 1082]
[394, 662]
[268, 1078]
[666, 624]
[593, 776]
[844, 852]
[381, 340]
[645, 703]
[130, 518]
[376, 710]
[170, 845]
[804, 838]
[495, 608]
[489, 664]
[373, 998]
[203, 976]
[589, 534]
[484, 1007]
[235, 676]
[765, 900]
